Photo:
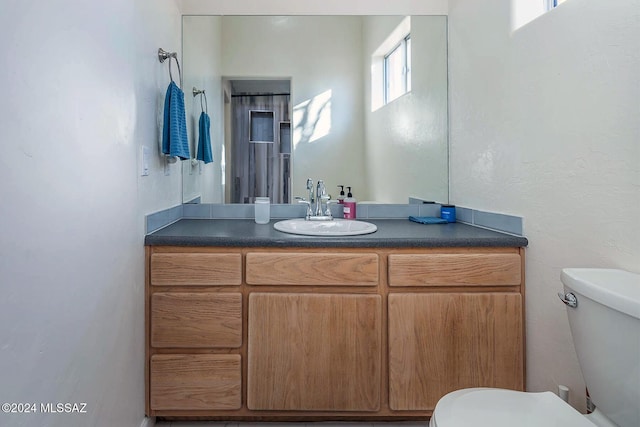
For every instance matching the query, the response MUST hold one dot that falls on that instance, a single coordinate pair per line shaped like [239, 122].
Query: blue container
[448, 212]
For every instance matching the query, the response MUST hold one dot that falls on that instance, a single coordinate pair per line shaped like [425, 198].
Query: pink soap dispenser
[349, 208]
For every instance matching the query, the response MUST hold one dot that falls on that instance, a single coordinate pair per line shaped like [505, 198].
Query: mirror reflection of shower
[257, 143]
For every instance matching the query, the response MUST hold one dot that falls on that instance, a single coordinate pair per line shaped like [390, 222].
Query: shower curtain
[257, 168]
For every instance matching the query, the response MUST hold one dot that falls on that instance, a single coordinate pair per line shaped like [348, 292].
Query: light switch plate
[144, 160]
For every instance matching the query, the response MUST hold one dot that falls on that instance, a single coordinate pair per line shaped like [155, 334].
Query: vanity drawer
[312, 269]
[196, 269]
[464, 269]
[196, 320]
[195, 381]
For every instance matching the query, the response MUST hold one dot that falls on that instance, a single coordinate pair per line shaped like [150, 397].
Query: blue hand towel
[204, 139]
[427, 220]
[174, 132]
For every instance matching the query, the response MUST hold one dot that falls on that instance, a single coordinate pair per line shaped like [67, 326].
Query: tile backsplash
[157, 220]
[494, 221]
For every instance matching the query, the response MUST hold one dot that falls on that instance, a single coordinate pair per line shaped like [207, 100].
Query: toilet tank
[605, 327]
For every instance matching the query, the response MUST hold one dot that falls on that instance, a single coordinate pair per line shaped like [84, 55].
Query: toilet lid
[505, 408]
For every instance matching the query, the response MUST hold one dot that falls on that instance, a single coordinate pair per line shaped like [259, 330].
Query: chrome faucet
[310, 189]
[316, 210]
[321, 195]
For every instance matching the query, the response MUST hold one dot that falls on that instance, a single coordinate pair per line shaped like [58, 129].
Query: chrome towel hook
[196, 92]
[163, 55]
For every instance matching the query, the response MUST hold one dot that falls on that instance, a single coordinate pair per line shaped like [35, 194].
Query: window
[553, 3]
[397, 71]
[391, 66]
[525, 11]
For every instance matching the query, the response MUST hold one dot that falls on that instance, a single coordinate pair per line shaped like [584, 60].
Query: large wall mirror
[297, 97]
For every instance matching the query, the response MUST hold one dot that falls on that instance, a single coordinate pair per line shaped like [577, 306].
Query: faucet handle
[303, 200]
[321, 190]
[329, 202]
[306, 202]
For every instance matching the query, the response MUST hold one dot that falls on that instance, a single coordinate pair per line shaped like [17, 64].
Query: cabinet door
[443, 342]
[314, 352]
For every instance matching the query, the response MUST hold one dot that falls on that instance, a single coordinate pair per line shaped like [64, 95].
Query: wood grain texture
[196, 269]
[196, 320]
[314, 352]
[454, 269]
[147, 328]
[424, 359]
[195, 381]
[312, 269]
[443, 342]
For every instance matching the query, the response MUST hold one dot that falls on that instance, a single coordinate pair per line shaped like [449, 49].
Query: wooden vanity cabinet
[445, 340]
[328, 333]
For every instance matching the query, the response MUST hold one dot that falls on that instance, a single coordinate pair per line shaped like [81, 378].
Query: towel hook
[197, 92]
[163, 55]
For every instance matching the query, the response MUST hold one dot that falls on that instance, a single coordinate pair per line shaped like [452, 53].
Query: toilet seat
[505, 408]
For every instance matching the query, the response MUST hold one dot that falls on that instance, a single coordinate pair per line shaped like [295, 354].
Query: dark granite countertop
[391, 233]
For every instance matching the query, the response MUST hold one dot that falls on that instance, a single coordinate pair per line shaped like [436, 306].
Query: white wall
[407, 138]
[201, 37]
[544, 124]
[82, 92]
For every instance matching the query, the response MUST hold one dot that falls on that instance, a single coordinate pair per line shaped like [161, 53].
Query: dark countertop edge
[504, 241]
[392, 233]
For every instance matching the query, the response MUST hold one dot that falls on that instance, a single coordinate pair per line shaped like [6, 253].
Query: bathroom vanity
[245, 322]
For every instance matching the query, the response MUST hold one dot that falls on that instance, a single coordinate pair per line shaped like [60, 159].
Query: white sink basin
[336, 227]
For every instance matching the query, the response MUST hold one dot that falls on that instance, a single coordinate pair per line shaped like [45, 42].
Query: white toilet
[605, 325]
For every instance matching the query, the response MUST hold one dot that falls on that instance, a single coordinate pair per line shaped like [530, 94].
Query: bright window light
[312, 118]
